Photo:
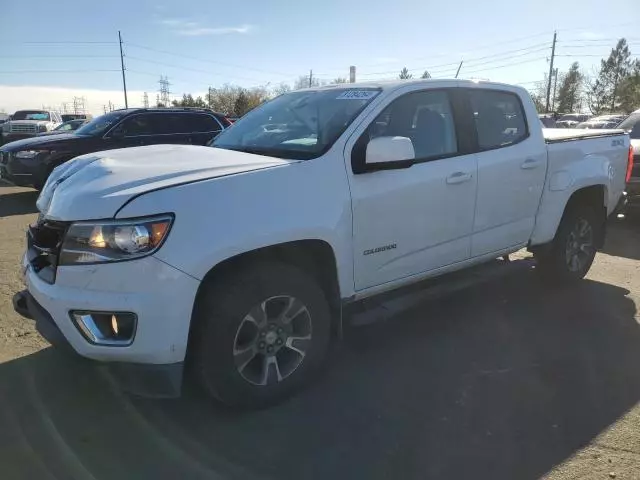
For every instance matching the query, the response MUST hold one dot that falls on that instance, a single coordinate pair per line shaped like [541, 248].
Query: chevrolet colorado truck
[237, 259]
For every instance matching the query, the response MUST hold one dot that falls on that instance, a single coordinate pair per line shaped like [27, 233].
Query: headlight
[42, 128]
[28, 153]
[114, 240]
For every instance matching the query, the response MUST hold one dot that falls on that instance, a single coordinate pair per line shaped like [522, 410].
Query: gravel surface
[508, 379]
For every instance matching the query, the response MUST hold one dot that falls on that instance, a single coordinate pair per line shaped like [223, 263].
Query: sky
[70, 48]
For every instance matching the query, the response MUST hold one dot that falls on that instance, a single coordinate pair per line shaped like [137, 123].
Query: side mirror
[389, 152]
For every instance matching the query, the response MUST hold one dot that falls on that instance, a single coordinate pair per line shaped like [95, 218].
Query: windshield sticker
[357, 95]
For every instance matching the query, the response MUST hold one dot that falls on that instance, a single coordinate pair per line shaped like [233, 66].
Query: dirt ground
[508, 379]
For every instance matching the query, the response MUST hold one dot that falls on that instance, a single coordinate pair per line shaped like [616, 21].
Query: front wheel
[259, 335]
[574, 247]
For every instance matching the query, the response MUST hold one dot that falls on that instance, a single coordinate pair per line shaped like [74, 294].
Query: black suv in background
[29, 162]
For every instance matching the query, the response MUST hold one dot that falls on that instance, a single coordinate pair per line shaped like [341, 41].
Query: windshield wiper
[283, 153]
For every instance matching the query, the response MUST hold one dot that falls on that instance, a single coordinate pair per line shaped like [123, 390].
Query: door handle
[530, 163]
[458, 177]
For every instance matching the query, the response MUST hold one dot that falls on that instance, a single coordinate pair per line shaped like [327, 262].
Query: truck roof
[393, 84]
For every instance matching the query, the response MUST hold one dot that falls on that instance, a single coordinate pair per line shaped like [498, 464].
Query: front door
[512, 161]
[411, 220]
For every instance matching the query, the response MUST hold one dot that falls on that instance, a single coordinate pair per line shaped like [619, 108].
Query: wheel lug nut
[272, 326]
[262, 334]
[270, 349]
[279, 341]
[261, 344]
[280, 330]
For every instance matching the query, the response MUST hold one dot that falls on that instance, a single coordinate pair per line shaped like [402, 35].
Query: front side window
[100, 125]
[499, 118]
[137, 125]
[298, 125]
[424, 117]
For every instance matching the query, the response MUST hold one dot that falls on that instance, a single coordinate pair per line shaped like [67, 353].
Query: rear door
[512, 161]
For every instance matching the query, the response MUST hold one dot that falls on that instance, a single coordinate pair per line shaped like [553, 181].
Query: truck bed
[554, 135]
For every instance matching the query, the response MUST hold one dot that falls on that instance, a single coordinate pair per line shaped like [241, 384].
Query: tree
[281, 88]
[568, 96]
[539, 94]
[303, 82]
[426, 74]
[339, 80]
[630, 90]
[404, 74]
[604, 91]
[241, 105]
[189, 101]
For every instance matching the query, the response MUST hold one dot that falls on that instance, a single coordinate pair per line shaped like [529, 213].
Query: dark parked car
[66, 127]
[29, 162]
[76, 116]
[632, 125]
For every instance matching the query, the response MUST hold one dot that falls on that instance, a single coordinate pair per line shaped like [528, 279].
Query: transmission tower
[164, 90]
[78, 105]
[145, 100]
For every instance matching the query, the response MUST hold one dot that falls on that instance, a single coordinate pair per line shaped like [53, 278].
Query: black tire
[558, 262]
[220, 317]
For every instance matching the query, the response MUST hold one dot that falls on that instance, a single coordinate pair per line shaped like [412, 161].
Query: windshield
[101, 124]
[632, 125]
[298, 125]
[31, 115]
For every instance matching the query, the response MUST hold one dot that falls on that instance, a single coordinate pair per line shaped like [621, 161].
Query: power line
[57, 71]
[58, 56]
[181, 67]
[231, 65]
[69, 43]
[477, 62]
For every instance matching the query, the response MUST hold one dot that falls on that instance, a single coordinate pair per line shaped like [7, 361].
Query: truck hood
[96, 185]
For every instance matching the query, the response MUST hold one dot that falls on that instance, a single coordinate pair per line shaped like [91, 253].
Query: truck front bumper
[159, 295]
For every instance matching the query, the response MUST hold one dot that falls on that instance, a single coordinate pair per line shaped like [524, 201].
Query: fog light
[114, 329]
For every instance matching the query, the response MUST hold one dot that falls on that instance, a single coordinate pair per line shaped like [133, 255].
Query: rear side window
[201, 123]
[499, 118]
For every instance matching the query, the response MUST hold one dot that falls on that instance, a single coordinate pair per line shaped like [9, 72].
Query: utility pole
[209, 97]
[352, 74]
[124, 80]
[145, 100]
[310, 78]
[553, 54]
[459, 67]
[553, 94]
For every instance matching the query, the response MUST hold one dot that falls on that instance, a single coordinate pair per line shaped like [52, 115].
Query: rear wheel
[260, 335]
[574, 247]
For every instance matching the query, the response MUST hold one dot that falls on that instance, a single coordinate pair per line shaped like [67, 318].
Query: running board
[387, 305]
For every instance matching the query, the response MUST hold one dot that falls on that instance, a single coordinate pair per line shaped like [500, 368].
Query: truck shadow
[501, 381]
[17, 203]
[623, 237]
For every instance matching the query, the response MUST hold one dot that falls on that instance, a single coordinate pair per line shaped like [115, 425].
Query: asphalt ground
[506, 379]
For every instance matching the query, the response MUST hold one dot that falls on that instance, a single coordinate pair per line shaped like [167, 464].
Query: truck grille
[44, 240]
[23, 128]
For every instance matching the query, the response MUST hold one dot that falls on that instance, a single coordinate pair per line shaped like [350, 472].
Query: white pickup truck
[240, 257]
